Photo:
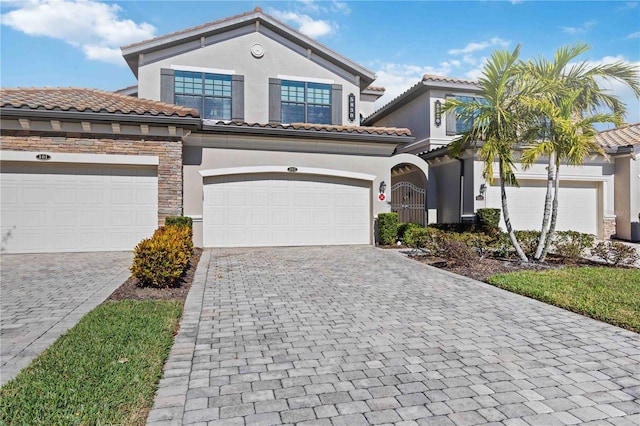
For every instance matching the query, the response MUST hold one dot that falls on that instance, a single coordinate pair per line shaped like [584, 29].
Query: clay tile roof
[361, 130]
[430, 77]
[622, 136]
[376, 88]
[90, 100]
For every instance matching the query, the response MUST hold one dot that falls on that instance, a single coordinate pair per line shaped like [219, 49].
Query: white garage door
[285, 210]
[577, 208]
[69, 207]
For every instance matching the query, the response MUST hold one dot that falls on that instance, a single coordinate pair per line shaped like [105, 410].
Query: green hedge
[179, 221]
[161, 260]
[388, 228]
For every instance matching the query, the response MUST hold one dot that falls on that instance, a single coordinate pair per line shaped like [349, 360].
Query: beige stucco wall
[627, 198]
[233, 54]
[206, 152]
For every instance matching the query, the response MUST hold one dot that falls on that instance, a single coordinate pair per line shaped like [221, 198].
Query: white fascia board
[285, 169]
[58, 157]
[202, 69]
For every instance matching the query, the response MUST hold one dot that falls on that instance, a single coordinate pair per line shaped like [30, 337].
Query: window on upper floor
[455, 124]
[216, 95]
[303, 102]
[210, 94]
[298, 101]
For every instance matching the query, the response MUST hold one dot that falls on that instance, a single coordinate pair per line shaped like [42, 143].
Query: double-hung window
[210, 94]
[457, 125]
[304, 102]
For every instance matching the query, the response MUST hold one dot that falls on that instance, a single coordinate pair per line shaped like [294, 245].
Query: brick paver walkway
[43, 295]
[358, 335]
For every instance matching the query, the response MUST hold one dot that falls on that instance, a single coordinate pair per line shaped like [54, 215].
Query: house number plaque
[352, 107]
[43, 157]
[292, 169]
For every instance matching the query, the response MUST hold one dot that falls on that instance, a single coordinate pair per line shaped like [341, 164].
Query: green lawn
[102, 371]
[607, 294]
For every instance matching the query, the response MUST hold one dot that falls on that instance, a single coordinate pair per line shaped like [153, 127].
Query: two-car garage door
[279, 209]
[577, 208]
[65, 207]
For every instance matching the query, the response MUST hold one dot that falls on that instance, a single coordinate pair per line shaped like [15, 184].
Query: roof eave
[56, 114]
[308, 134]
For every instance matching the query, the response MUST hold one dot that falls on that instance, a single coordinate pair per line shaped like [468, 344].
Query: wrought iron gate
[408, 201]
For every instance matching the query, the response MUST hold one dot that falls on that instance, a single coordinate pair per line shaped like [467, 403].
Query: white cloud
[474, 47]
[313, 28]
[93, 27]
[628, 5]
[340, 7]
[583, 29]
[633, 35]
[397, 78]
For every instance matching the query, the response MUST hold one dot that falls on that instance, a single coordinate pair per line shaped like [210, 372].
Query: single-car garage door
[577, 208]
[273, 209]
[48, 207]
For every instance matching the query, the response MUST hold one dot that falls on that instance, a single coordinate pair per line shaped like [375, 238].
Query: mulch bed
[130, 290]
[481, 269]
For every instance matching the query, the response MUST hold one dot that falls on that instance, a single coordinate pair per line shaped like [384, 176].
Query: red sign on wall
[382, 197]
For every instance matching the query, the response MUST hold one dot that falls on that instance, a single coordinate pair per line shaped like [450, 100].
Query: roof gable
[256, 17]
[626, 136]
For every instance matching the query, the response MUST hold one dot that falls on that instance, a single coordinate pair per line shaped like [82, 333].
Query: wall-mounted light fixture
[383, 187]
[438, 113]
[483, 189]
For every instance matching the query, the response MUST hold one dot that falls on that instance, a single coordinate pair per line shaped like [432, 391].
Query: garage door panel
[51, 207]
[578, 205]
[285, 210]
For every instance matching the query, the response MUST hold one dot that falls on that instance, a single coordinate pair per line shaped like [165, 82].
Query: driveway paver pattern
[358, 335]
[44, 295]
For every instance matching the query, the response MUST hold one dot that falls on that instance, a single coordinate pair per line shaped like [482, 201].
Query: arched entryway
[409, 177]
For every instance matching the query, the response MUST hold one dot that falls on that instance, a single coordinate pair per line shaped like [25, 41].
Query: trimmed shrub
[455, 227]
[179, 221]
[428, 239]
[161, 260]
[478, 241]
[458, 252]
[572, 244]
[489, 220]
[615, 253]
[388, 228]
[403, 228]
[528, 241]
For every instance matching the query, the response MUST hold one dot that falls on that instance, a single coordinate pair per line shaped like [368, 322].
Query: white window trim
[202, 69]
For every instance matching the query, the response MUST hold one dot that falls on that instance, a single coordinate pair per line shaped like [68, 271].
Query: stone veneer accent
[609, 228]
[169, 151]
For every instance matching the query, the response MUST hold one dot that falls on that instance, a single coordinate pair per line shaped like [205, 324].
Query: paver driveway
[357, 335]
[43, 295]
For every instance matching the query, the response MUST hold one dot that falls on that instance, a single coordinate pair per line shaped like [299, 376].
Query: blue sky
[76, 42]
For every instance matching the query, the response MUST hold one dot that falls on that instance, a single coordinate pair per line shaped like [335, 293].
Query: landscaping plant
[615, 253]
[388, 228]
[161, 260]
[573, 244]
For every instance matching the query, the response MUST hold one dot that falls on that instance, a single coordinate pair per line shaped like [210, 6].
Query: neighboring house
[623, 145]
[594, 198]
[276, 157]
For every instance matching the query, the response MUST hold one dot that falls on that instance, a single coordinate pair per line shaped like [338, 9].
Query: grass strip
[607, 294]
[103, 371]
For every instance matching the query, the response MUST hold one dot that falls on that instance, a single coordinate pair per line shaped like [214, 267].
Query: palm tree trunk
[507, 219]
[542, 242]
[554, 213]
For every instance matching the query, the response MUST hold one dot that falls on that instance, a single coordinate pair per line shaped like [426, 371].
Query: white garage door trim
[61, 157]
[285, 209]
[74, 206]
[286, 169]
[578, 208]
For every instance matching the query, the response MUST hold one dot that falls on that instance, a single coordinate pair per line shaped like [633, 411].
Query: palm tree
[495, 124]
[567, 109]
